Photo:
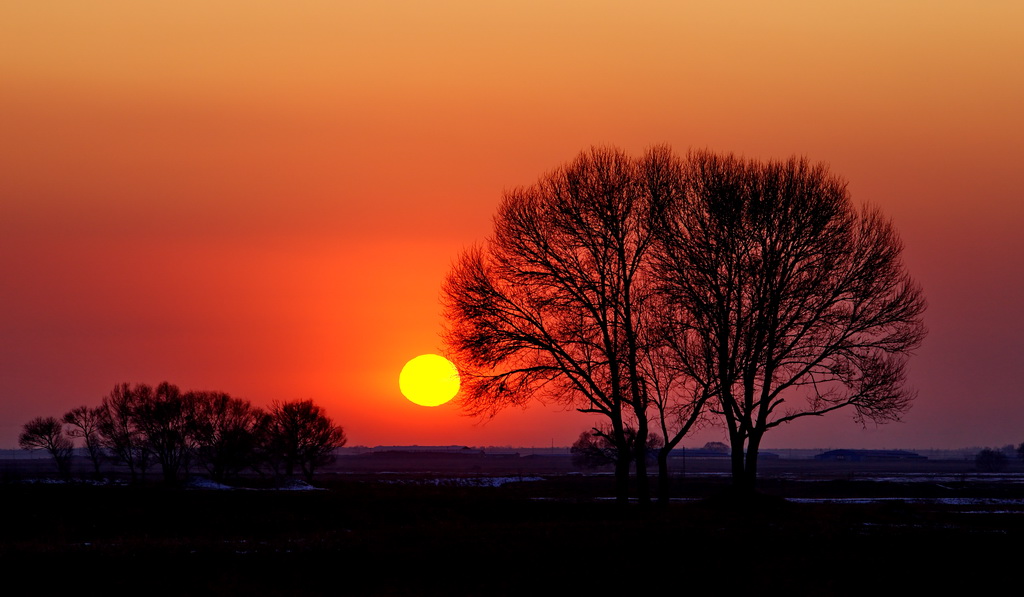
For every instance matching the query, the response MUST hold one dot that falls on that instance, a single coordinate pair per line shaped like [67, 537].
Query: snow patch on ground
[920, 478]
[209, 484]
[936, 501]
[204, 483]
[464, 481]
[93, 482]
[44, 481]
[297, 485]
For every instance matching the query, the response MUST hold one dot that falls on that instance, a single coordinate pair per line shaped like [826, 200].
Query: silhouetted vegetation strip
[140, 427]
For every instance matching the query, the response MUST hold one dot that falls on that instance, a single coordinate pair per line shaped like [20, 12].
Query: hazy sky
[263, 197]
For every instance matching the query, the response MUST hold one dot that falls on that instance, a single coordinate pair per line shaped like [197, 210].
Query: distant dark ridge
[784, 453]
[428, 449]
[869, 455]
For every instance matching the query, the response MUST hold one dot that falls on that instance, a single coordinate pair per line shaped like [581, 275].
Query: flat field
[814, 531]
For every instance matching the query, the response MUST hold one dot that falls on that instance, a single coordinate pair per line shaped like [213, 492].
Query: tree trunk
[663, 478]
[738, 468]
[170, 472]
[622, 479]
[95, 464]
[63, 465]
[643, 488]
[753, 446]
[622, 460]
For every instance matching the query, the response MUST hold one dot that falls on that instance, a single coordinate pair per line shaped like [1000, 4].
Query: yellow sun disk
[429, 380]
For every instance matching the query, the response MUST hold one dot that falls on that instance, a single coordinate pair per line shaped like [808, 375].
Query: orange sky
[264, 197]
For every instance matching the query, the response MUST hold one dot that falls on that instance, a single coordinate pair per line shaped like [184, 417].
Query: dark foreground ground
[429, 534]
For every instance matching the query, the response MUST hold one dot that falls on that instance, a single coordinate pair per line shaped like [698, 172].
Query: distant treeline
[142, 427]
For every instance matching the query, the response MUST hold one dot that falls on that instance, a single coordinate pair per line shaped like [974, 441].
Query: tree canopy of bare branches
[227, 433]
[788, 301]
[559, 303]
[166, 419]
[593, 449]
[140, 425]
[301, 435]
[47, 433]
[84, 422]
[119, 431]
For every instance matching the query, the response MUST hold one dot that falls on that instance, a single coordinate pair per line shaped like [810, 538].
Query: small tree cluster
[596, 448]
[140, 426]
[298, 435]
[666, 292]
[47, 433]
[990, 461]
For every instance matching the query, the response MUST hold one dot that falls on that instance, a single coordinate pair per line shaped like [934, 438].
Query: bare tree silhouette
[594, 448]
[788, 301]
[118, 427]
[165, 418]
[558, 305]
[84, 422]
[227, 433]
[592, 451]
[47, 433]
[300, 435]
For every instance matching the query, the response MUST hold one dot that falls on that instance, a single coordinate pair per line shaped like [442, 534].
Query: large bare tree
[788, 300]
[557, 304]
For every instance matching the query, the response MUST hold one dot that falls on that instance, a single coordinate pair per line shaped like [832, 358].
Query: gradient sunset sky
[263, 198]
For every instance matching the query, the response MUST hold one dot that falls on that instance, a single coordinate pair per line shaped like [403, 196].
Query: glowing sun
[429, 380]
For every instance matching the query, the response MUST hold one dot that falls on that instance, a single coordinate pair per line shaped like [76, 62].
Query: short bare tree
[300, 435]
[226, 434]
[591, 451]
[991, 461]
[47, 433]
[594, 448]
[119, 430]
[166, 419]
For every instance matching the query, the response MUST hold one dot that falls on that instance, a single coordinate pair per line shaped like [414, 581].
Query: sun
[429, 380]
